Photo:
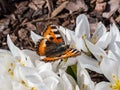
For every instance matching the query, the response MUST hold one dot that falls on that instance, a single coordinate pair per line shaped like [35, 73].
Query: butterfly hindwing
[68, 53]
[50, 49]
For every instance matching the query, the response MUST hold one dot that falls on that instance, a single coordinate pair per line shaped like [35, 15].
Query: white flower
[83, 78]
[100, 37]
[21, 58]
[111, 69]
[87, 60]
[30, 75]
[67, 81]
[92, 46]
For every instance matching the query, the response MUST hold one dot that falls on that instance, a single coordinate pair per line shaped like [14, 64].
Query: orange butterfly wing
[68, 53]
[53, 34]
[52, 46]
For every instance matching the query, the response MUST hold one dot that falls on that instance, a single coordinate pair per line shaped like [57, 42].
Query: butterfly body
[53, 47]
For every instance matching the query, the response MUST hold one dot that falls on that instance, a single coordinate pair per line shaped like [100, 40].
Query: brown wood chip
[59, 9]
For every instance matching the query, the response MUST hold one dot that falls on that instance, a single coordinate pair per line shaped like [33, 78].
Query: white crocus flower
[87, 60]
[21, 58]
[13, 77]
[30, 76]
[63, 80]
[40, 77]
[111, 69]
[67, 81]
[83, 79]
[91, 45]
[100, 37]
[29, 79]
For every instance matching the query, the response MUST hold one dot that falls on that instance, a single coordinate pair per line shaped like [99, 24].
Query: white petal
[115, 31]
[66, 80]
[32, 54]
[6, 59]
[115, 48]
[79, 44]
[17, 53]
[119, 72]
[14, 50]
[66, 34]
[18, 86]
[77, 87]
[51, 83]
[29, 75]
[5, 83]
[35, 37]
[40, 65]
[89, 63]
[103, 86]
[96, 51]
[82, 26]
[111, 55]
[83, 78]
[104, 40]
[4, 51]
[71, 61]
[118, 44]
[115, 37]
[100, 30]
[109, 68]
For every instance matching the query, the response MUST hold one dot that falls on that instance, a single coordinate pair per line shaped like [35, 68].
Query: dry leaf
[22, 33]
[114, 5]
[30, 26]
[59, 9]
[77, 5]
[100, 7]
[36, 4]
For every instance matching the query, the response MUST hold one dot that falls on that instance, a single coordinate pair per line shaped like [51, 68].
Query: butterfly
[52, 46]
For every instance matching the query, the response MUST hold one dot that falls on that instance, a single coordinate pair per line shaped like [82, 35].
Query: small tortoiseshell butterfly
[52, 47]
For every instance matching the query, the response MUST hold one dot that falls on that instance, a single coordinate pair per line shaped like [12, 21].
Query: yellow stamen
[24, 83]
[21, 63]
[95, 39]
[101, 57]
[10, 72]
[11, 64]
[116, 84]
[33, 88]
[83, 36]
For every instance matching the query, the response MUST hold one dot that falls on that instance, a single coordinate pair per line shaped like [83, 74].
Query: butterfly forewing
[52, 34]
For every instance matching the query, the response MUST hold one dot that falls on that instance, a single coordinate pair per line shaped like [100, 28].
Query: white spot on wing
[57, 35]
[45, 40]
[48, 36]
[42, 57]
[54, 30]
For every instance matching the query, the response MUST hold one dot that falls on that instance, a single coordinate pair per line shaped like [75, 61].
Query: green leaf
[72, 70]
